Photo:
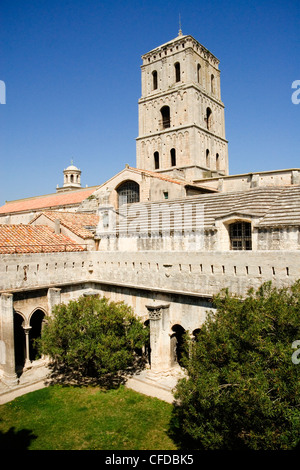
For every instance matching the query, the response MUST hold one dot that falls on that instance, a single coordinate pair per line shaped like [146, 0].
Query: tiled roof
[170, 179]
[34, 239]
[271, 206]
[286, 210]
[76, 222]
[48, 201]
[159, 176]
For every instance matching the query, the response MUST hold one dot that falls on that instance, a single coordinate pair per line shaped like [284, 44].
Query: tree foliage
[92, 337]
[242, 389]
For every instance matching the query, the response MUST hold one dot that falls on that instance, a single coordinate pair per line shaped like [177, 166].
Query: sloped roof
[67, 198]
[254, 202]
[34, 239]
[159, 176]
[285, 210]
[171, 179]
[266, 204]
[76, 222]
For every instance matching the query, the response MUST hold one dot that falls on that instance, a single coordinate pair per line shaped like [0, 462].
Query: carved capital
[155, 312]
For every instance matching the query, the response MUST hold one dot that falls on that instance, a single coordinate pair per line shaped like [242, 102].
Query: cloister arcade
[26, 332]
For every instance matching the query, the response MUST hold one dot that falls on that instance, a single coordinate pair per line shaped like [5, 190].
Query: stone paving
[31, 379]
[155, 384]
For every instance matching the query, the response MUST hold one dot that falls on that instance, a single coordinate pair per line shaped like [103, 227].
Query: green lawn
[85, 418]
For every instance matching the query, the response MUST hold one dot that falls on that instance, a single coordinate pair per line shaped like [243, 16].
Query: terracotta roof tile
[34, 239]
[47, 201]
[74, 221]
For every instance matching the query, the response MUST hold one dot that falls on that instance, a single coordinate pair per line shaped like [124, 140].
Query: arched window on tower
[165, 117]
[212, 84]
[217, 162]
[207, 158]
[128, 192]
[154, 80]
[156, 160]
[240, 236]
[208, 118]
[173, 157]
[177, 72]
[199, 73]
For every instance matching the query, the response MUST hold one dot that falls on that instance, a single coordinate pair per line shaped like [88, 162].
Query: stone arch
[165, 117]
[195, 334]
[177, 344]
[128, 192]
[36, 322]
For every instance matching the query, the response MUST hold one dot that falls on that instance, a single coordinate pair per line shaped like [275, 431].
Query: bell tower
[181, 115]
[71, 179]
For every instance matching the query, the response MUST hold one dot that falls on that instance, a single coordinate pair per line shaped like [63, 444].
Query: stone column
[54, 298]
[9, 376]
[159, 337]
[27, 359]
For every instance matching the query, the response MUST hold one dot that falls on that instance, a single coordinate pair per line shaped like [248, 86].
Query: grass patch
[85, 418]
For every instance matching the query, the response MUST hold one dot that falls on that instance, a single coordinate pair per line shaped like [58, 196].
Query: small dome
[73, 168]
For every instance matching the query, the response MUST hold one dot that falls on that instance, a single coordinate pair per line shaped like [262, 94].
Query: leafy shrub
[243, 389]
[92, 337]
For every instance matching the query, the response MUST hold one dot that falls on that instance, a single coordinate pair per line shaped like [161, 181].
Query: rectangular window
[240, 236]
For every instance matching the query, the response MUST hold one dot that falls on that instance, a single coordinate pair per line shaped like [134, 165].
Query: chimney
[57, 226]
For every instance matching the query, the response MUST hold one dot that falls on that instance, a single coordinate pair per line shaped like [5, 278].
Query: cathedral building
[164, 236]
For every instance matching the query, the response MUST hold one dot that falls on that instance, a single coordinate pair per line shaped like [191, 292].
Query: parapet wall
[190, 273]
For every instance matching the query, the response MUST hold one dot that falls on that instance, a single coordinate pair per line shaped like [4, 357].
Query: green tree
[242, 389]
[93, 338]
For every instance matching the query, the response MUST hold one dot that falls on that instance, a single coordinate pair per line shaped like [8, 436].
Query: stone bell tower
[181, 115]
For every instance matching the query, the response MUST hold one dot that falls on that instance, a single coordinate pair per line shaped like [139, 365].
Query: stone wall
[166, 290]
[191, 273]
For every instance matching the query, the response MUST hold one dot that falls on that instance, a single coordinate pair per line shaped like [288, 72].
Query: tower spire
[180, 31]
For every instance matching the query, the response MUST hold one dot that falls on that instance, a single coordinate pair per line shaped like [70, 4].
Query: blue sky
[72, 76]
